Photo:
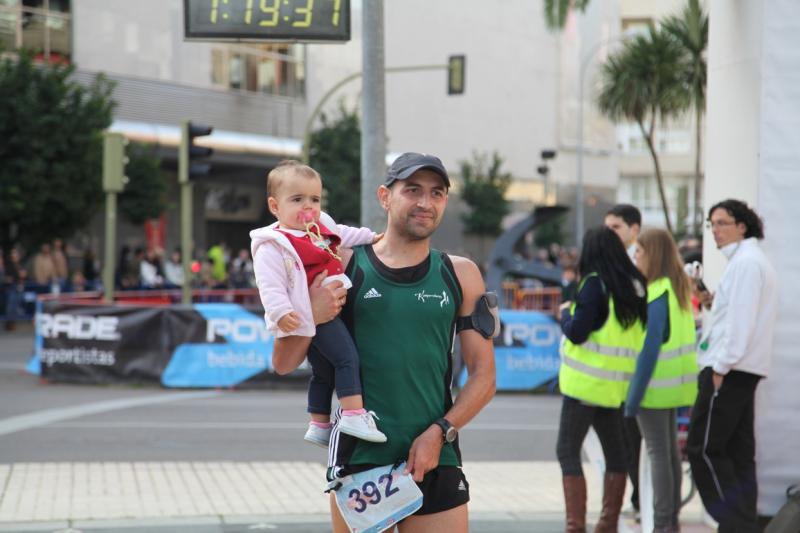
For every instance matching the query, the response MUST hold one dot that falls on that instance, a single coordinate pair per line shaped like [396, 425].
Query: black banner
[206, 345]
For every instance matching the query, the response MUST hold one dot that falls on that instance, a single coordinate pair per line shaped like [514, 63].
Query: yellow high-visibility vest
[674, 380]
[599, 370]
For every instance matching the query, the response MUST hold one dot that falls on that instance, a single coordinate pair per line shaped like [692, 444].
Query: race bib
[375, 500]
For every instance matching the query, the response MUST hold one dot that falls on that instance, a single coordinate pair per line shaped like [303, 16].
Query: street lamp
[544, 171]
[579, 208]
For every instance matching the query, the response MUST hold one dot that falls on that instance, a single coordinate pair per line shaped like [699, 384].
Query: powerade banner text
[227, 345]
[526, 351]
[207, 345]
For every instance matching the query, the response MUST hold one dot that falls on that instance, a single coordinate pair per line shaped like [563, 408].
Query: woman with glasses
[603, 331]
[666, 370]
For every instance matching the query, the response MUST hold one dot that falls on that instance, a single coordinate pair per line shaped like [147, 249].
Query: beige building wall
[142, 39]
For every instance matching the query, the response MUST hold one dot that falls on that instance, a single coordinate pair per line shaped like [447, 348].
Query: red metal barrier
[544, 299]
[247, 297]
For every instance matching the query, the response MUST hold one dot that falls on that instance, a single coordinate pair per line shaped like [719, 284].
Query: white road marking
[49, 416]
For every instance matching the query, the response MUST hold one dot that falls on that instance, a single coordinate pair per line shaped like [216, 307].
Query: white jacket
[739, 333]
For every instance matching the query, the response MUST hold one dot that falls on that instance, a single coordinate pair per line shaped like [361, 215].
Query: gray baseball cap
[410, 162]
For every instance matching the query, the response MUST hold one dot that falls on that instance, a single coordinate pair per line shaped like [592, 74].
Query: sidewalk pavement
[247, 496]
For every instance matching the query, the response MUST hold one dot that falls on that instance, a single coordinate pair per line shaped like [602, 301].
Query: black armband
[484, 319]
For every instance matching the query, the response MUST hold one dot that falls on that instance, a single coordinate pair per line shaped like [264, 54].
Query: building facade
[521, 97]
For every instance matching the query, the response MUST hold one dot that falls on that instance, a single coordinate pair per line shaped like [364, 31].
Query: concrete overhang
[168, 135]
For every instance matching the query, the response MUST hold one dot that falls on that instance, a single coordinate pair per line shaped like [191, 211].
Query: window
[636, 26]
[41, 26]
[260, 68]
[671, 137]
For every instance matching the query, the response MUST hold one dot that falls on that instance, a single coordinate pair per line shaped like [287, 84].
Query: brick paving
[137, 492]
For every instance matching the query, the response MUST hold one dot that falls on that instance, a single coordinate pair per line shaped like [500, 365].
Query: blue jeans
[334, 364]
[13, 298]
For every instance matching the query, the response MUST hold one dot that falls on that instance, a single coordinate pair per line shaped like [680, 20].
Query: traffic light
[114, 161]
[191, 162]
[456, 74]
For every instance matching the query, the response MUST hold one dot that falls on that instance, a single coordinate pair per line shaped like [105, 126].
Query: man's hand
[289, 322]
[717, 380]
[424, 453]
[565, 305]
[327, 301]
[706, 299]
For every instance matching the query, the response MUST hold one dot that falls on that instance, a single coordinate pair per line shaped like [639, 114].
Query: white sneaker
[362, 427]
[319, 436]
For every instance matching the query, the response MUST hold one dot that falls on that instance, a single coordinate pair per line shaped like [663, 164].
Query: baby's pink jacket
[281, 279]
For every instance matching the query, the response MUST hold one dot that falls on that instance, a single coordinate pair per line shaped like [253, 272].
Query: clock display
[267, 20]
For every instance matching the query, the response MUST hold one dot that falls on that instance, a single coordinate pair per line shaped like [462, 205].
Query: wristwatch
[449, 433]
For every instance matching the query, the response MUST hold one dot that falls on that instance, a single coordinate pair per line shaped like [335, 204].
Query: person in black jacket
[607, 275]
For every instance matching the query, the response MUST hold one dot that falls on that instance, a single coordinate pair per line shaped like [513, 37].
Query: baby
[287, 256]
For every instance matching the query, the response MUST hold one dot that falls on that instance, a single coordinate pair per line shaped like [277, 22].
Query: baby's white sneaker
[318, 435]
[362, 426]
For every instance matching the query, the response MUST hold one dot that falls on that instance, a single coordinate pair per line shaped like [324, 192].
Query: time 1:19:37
[270, 12]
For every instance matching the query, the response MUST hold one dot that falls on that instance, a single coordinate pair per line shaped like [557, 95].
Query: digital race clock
[267, 20]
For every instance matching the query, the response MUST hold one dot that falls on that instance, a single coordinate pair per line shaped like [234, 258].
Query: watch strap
[445, 426]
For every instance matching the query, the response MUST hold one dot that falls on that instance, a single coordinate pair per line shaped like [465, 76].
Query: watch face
[450, 436]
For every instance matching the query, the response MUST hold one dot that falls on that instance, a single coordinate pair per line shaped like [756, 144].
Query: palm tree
[555, 11]
[690, 29]
[642, 83]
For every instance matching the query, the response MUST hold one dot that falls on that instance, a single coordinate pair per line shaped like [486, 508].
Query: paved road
[143, 459]
[121, 423]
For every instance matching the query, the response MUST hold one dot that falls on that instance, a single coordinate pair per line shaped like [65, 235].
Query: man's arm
[478, 355]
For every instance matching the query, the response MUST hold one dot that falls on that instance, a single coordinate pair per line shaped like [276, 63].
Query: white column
[753, 143]
[733, 111]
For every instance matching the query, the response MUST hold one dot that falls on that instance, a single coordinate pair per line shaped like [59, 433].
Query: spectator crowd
[52, 270]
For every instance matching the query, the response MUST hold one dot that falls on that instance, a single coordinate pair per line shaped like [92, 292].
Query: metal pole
[111, 234]
[579, 208]
[373, 115]
[186, 242]
[547, 186]
[579, 201]
[317, 109]
[341, 83]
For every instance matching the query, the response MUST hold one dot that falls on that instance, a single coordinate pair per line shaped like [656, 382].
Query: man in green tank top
[402, 311]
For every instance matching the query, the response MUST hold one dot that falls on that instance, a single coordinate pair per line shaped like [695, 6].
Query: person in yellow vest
[666, 370]
[603, 333]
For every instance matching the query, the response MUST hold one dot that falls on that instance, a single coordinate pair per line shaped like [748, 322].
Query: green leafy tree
[484, 189]
[556, 11]
[50, 150]
[642, 83]
[335, 152]
[690, 30]
[145, 195]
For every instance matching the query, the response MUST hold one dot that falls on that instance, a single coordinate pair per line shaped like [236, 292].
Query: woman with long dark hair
[666, 370]
[603, 333]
